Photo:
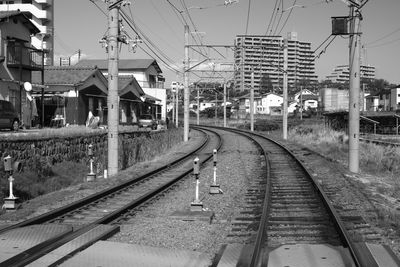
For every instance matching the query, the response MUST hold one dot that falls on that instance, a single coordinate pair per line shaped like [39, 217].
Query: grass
[381, 162]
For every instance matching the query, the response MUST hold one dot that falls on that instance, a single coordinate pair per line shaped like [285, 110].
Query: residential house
[395, 98]
[17, 62]
[244, 105]
[148, 75]
[72, 92]
[271, 104]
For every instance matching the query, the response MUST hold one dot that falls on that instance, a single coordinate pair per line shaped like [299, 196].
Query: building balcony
[20, 56]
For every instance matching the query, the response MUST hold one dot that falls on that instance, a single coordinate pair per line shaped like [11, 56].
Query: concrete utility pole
[354, 95]
[186, 94]
[112, 99]
[252, 101]
[198, 104]
[224, 103]
[285, 89]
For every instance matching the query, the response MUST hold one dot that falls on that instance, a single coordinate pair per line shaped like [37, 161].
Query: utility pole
[252, 101]
[354, 95]
[198, 104]
[224, 103]
[301, 102]
[112, 99]
[285, 89]
[216, 108]
[177, 106]
[186, 94]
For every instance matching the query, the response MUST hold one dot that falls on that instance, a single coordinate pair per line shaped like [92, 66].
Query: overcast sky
[80, 24]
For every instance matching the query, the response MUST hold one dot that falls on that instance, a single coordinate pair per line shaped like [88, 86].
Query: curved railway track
[286, 206]
[113, 204]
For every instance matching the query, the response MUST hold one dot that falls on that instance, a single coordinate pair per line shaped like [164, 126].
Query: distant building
[41, 14]
[265, 55]
[333, 99]
[341, 73]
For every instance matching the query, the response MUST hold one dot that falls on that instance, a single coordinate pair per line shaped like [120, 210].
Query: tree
[266, 85]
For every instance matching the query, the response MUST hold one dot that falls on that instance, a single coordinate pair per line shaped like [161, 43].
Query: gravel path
[154, 226]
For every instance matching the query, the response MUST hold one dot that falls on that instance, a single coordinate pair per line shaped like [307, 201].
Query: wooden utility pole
[112, 99]
[285, 89]
[354, 95]
[186, 91]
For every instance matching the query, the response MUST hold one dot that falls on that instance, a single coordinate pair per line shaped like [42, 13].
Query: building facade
[41, 14]
[264, 54]
[341, 74]
[18, 61]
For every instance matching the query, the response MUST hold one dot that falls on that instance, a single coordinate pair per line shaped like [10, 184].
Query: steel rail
[341, 230]
[94, 197]
[37, 252]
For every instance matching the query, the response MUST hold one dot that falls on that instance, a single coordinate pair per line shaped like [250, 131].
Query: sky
[80, 25]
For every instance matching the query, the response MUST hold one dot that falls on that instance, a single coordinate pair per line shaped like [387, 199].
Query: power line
[248, 16]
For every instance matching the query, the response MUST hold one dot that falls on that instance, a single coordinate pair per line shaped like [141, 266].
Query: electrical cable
[248, 16]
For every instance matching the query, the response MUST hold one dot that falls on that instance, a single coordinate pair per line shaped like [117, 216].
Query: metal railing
[27, 57]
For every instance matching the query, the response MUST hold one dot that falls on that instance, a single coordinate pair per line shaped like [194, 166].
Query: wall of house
[159, 93]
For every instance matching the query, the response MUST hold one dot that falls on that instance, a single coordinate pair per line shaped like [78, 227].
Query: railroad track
[286, 206]
[111, 205]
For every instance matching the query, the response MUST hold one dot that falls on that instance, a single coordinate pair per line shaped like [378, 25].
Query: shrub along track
[109, 205]
[295, 209]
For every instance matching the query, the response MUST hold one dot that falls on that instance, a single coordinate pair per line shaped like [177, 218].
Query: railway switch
[10, 202]
[91, 176]
[214, 187]
[196, 205]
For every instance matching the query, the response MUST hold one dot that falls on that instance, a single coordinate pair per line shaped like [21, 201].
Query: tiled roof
[8, 14]
[123, 64]
[124, 82]
[70, 75]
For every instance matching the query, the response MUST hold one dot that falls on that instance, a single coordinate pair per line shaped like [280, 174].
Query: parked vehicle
[8, 116]
[147, 120]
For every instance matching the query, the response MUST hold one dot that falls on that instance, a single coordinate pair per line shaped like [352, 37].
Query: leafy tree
[266, 85]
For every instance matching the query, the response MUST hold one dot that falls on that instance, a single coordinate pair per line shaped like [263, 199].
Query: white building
[270, 102]
[341, 74]
[42, 16]
[265, 53]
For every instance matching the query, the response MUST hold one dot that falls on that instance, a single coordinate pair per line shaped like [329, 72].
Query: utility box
[340, 25]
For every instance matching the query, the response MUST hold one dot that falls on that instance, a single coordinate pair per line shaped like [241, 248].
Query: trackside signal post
[214, 188]
[10, 201]
[196, 205]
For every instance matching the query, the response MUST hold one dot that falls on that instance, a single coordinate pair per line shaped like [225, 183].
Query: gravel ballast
[238, 162]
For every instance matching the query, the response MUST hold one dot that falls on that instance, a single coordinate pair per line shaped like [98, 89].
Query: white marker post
[214, 188]
[196, 205]
[91, 176]
[10, 201]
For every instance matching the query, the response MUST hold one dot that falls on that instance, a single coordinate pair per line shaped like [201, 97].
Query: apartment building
[341, 74]
[264, 54]
[41, 14]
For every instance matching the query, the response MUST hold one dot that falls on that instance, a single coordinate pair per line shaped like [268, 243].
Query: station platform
[311, 255]
[90, 251]
[113, 254]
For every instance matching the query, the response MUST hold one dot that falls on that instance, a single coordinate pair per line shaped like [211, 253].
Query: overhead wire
[248, 17]
[148, 42]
